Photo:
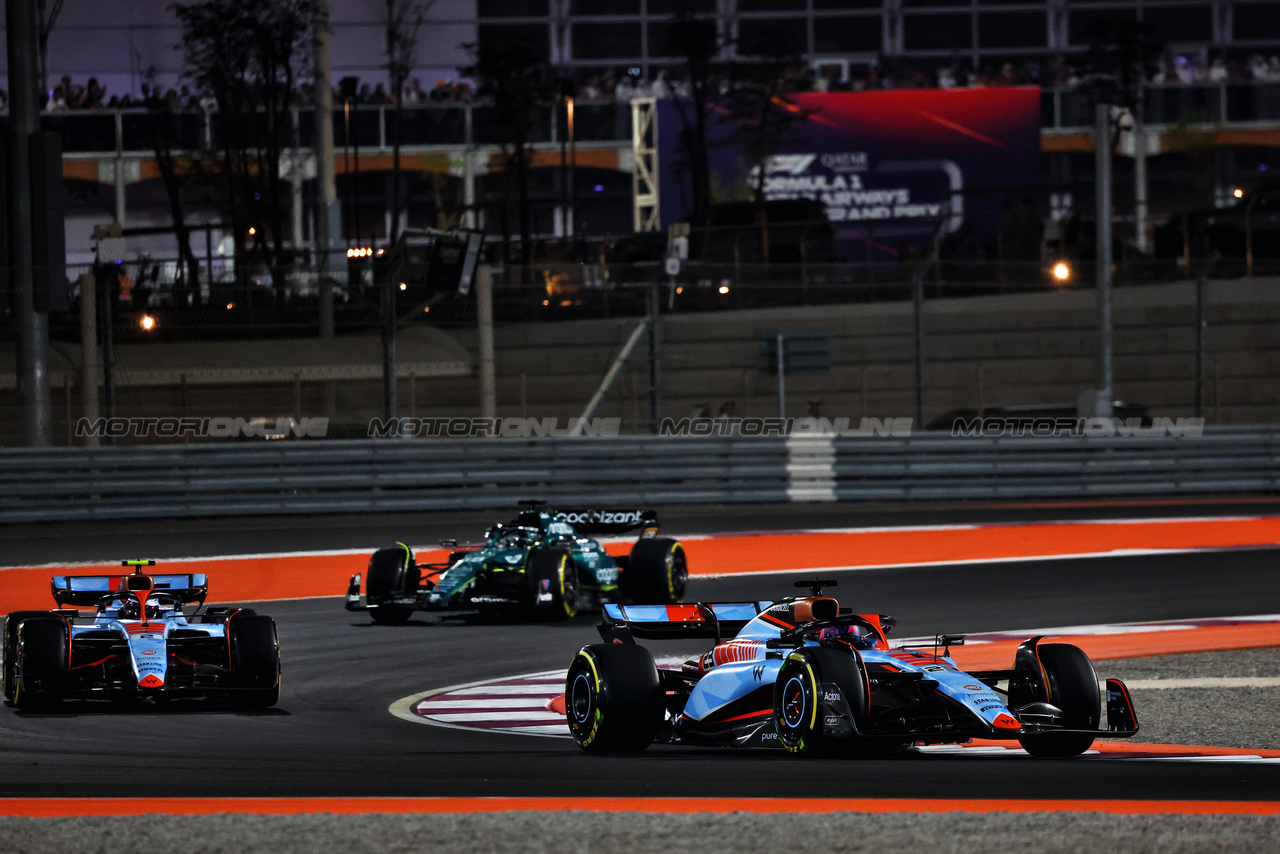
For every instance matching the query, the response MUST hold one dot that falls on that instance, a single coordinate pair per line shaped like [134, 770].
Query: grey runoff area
[1239, 717]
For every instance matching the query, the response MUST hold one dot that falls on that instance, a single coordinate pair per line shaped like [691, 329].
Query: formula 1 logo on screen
[851, 191]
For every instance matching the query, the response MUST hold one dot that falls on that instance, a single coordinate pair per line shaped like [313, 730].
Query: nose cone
[150, 681]
[1006, 721]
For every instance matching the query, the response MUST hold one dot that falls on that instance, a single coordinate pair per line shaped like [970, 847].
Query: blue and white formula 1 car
[138, 645]
[809, 676]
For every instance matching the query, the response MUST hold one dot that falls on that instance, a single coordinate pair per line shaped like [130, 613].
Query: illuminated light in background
[546, 302]
[147, 322]
[724, 289]
[680, 290]
[230, 306]
[252, 231]
[380, 251]
[1238, 193]
[426, 310]
[599, 188]
[403, 286]
[1061, 271]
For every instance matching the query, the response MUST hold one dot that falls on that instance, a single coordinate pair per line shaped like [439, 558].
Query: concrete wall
[1024, 348]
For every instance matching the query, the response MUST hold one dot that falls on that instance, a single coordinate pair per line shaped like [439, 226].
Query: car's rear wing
[675, 622]
[87, 590]
[609, 521]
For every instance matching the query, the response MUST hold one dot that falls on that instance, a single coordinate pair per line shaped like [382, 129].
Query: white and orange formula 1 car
[138, 645]
[809, 676]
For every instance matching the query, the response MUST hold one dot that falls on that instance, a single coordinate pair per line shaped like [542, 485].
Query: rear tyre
[797, 698]
[553, 571]
[613, 698]
[656, 572]
[388, 576]
[1073, 688]
[41, 662]
[255, 662]
[10, 639]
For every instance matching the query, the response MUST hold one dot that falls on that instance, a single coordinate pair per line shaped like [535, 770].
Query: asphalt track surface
[332, 735]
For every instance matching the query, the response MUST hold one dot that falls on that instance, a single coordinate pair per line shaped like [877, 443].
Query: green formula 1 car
[542, 560]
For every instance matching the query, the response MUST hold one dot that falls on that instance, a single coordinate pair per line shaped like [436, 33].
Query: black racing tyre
[10, 640]
[613, 698]
[255, 661]
[388, 575]
[1073, 687]
[41, 661]
[797, 696]
[656, 572]
[553, 571]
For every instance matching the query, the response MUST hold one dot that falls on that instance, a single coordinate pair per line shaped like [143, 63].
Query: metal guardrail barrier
[927, 467]
[365, 476]
[446, 474]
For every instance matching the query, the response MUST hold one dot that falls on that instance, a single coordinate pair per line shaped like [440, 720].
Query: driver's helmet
[854, 633]
[132, 589]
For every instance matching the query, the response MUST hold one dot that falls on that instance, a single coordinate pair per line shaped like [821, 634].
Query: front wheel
[11, 624]
[656, 572]
[1073, 688]
[802, 709]
[255, 662]
[41, 662]
[389, 575]
[613, 698]
[553, 577]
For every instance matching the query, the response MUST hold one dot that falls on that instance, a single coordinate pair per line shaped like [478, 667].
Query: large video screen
[888, 167]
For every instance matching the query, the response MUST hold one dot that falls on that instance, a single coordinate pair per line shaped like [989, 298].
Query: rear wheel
[388, 575]
[1073, 688]
[798, 698]
[552, 571]
[656, 572]
[255, 661]
[41, 662]
[613, 698]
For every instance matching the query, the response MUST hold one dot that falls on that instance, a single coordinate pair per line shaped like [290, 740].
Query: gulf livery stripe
[263, 577]
[58, 807]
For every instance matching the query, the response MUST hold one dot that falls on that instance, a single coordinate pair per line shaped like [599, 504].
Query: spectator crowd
[625, 84]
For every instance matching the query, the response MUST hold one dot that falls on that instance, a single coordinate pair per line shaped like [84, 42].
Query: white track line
[1205, 682]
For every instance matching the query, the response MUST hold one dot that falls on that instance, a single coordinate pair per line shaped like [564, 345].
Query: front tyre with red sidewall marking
[613, 698]
[1073, 688]
[255, 662]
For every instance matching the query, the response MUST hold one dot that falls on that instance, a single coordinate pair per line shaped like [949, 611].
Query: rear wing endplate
[699, 620]
[84, 591]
